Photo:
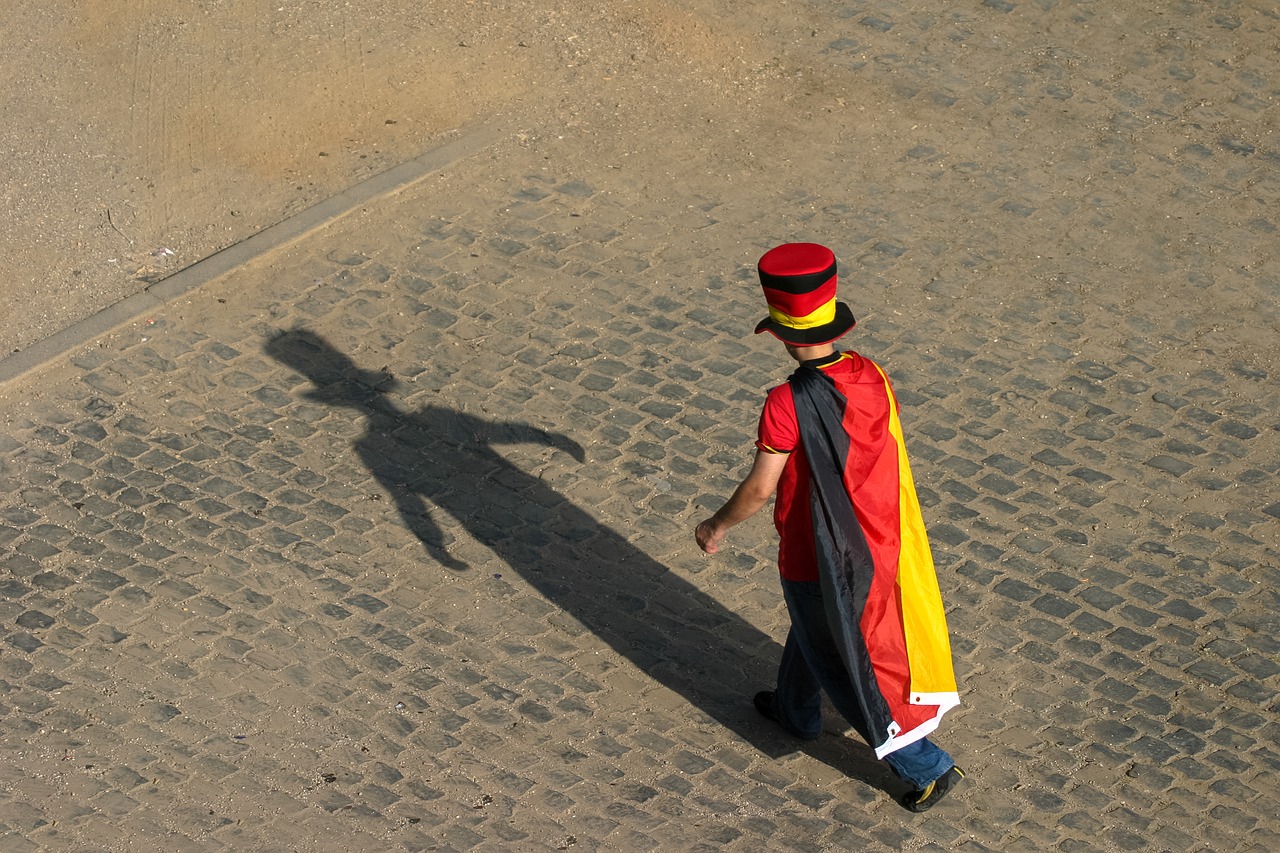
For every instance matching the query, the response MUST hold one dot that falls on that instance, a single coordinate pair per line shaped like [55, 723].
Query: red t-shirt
[867, 420]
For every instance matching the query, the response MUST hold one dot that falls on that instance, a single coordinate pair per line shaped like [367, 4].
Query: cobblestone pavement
[385, 544]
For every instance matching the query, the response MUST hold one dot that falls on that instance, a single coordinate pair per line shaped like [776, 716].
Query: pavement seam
[469, 140]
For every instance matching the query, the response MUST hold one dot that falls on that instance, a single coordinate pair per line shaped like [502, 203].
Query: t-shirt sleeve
[778, 431]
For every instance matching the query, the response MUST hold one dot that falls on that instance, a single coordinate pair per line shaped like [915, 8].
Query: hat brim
[814, 337]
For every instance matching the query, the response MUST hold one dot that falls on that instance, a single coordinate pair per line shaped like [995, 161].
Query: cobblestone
[384, 544]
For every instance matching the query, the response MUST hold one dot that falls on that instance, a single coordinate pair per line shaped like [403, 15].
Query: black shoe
[922, 801]
[764, 704]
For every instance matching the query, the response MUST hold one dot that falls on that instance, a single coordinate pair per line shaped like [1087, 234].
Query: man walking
[867, 624]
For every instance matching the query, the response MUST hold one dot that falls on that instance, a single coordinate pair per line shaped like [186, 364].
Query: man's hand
[709, 534]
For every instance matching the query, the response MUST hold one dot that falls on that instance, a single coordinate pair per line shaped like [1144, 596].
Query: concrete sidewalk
[383, 541]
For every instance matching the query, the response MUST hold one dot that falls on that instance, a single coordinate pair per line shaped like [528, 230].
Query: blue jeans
[811, 664]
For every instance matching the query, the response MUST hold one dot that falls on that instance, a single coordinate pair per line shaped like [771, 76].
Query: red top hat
[799, 282]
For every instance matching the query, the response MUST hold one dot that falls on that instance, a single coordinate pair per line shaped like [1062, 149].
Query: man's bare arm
[752, 494]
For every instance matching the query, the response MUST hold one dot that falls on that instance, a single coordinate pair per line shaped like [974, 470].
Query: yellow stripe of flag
[933, 680]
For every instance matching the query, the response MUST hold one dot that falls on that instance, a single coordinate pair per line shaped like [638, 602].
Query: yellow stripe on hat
[820, 317]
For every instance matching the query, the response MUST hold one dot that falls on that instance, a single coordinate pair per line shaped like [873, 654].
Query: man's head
[799, 283]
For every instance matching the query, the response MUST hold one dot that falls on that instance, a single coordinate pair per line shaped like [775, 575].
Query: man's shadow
[670, 630]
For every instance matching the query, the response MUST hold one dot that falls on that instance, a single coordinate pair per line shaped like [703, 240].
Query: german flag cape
[878, 580]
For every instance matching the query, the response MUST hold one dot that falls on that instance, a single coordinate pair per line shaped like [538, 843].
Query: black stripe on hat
[802, 283]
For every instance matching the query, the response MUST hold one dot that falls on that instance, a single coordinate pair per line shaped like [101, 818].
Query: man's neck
[807, 354]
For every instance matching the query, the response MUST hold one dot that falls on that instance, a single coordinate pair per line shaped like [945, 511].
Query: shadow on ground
[667, 628]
